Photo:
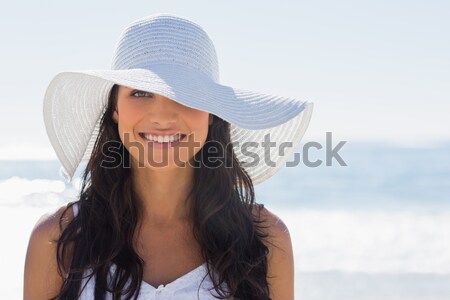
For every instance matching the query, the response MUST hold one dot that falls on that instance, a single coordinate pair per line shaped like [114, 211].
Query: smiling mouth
[169, 143]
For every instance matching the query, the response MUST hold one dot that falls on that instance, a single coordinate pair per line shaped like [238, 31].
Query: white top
[185, 287]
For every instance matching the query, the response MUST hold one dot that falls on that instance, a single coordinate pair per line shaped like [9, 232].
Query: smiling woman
[187, 229]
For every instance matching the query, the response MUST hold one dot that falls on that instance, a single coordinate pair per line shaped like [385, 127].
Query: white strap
[75, 209]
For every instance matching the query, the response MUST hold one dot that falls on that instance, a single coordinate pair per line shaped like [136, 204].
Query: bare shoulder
[280, 258]
[50, 221]
[41, 278]
[274, 226]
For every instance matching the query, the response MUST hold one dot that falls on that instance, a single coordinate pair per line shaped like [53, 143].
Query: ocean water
[378, 228]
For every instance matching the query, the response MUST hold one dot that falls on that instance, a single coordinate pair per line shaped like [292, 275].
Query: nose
[163, 111]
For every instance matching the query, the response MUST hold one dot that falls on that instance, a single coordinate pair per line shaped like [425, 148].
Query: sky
[377, 71]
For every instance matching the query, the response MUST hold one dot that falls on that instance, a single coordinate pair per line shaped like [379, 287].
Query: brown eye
[140, 94]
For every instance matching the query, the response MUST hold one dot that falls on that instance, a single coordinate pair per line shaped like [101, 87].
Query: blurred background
[378, 73]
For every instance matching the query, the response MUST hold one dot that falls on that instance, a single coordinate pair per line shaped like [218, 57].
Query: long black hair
[226, 222]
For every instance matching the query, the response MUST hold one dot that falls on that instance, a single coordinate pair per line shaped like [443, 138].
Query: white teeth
[162, 139]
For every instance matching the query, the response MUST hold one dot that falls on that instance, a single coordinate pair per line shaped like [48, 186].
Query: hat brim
[75, 100]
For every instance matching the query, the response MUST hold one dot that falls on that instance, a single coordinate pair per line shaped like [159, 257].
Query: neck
[163, 194]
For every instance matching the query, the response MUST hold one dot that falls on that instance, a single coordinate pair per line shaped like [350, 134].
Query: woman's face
[144, 115]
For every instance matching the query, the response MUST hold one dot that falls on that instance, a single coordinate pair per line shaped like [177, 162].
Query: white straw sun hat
[174, 57]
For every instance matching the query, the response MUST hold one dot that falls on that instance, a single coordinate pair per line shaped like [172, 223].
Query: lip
[162, 145]
[168, 133]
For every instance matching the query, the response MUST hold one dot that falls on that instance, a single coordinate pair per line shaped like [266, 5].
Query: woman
[166, 208]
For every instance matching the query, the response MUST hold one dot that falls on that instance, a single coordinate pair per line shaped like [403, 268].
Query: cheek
[197, 122]
[200, 120]
[129, 114]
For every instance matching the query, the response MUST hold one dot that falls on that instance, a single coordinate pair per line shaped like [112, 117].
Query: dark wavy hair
[221, 209]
